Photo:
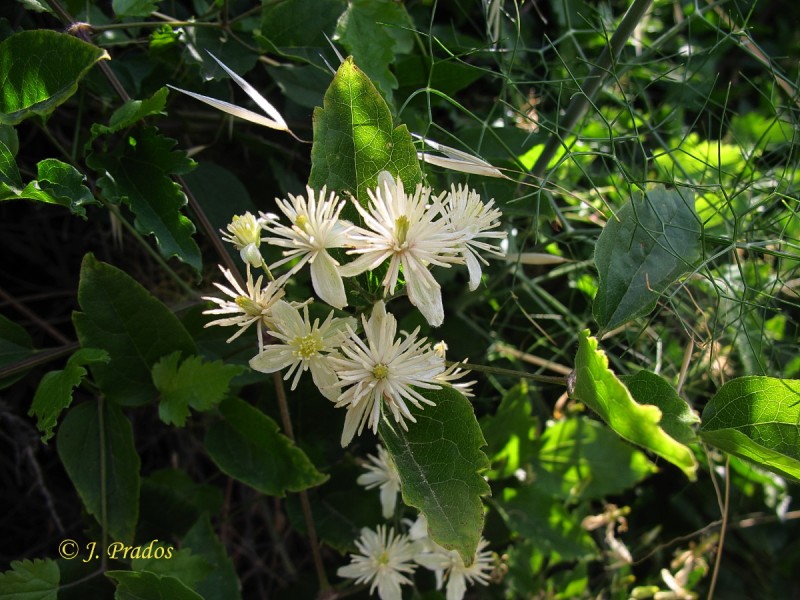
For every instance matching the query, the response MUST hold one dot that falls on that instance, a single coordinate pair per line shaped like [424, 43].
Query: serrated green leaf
[601, 390]
[40, 69]
[248, 446]
[138, 585]
[375, 32]
[546, 522]
[121, 317]
[180, 563]
[15, 345]
[130, 113]
[354, 138]
[196, 383]
[678, 419]
[581, 459]
[137, 173]
[440, 461]
[221, 581]
[641, 251]
[99, 455]
[133, 8]
[757, 418]
[30, 580]
[54, 393]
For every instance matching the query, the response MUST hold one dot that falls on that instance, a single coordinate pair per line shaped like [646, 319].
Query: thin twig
[722, 529]
[34, 317]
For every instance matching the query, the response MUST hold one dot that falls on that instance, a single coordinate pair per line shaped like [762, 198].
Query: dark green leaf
[182, 564]
[354, 138]
[95, 444]
[137, 172]
[642, 250]
[221, 581]
[598, 387]
[40, 69]
[678, 419]
[201, 385]
[10, 179]
[297, 28]
[757, 418]
[15, 345]
[136, 330]
[130, 113]
[133, 8]
[143, 585]
[440, 461]
[546, 522]
[30, 580]
[582, 459]
[171, 502]
[248, 446]
[54, 393]
[375, 32]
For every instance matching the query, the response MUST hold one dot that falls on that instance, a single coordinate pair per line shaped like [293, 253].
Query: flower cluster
[369, 367]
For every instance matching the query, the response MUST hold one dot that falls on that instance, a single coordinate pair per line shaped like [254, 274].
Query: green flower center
[248, 306]
[380, 371]
[401, 226]
[307, 345]
[383, 558]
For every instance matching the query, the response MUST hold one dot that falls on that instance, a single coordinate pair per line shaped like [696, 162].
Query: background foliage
[652, 212]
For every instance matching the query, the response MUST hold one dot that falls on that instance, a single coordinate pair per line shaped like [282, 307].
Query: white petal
[327, 281]
[236, 111]
[388, 500]
[456, 586]
[325, 379]
[427, 298]
[271, 359]
[474, 270]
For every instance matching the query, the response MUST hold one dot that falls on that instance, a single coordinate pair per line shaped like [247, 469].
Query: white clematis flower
[383, 371]
[409, 233]
[384, 560]
[315, 228]
[305, 346]
[253, 305]
[244, 232]
[471, 219]
[448, 564]
[382, 473]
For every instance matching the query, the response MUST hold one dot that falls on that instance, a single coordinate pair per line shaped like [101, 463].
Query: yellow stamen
[248, 306]
[380, 371]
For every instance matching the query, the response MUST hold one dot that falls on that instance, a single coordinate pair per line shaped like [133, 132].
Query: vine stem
[724, 505]
[512, 372]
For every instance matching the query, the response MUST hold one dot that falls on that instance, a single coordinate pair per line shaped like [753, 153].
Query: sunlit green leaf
[374, 32]
[30, 580]
[137, 585]
[440, 462]
[355, 139]
[130, 113]
[678, 419]
[510, 431]
[578, 458]
[120, 316]
[757, 418]
[95, 444]
[650, 242]
[599, 388]
[195, 383]
[54, 393]
[40, 69]
[137, 172]
[247, 445]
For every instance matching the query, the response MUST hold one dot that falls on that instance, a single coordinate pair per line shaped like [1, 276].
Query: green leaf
[136, 330]
[201, 385]
[133, 8]
[137, 585]
[440, 461]
[30, 580]
[171, 502]
[221, 581]
[137, 172]
[182, 564]
[54, 393]
[96, 447]
[10, 179]
[248, 446]
[297, 28]
[546, 522]
[354, 138]
[510, 431]
[678, 418]
[130, 113]
[375, 32]
[650, 243]
[40, 69]
[598, 387]
[582, 459]
[15, 346]
[757, 418]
